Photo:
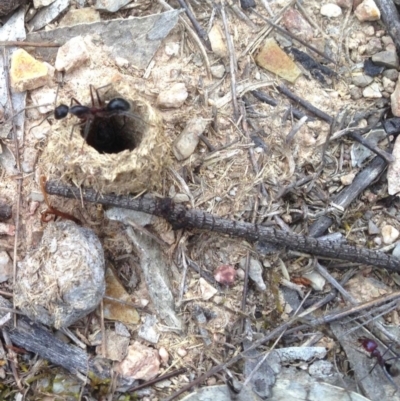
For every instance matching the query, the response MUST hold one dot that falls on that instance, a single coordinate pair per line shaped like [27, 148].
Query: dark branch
[180, 217]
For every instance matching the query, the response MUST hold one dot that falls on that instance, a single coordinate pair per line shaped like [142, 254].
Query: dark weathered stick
[272, 102]
[326, 117]
[200, 31]
[180, 217]
[307, 105]
[347, 195]
[390, 18]
[34, 338]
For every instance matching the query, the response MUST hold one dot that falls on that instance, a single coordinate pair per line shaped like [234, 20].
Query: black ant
[115, 107]
[371, 346]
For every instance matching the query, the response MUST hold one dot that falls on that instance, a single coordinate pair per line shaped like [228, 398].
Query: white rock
[255, 272]
[6, 268]
[42, 3]
[331, 10]
[367, 11]
[174, 97]
[347, 179]
[186, 142]
[172, 49]
[71, 55]
[121, 62]
[389, 234]
[393, 174]
[218, 70]
[372, 91]
[206, 289]
[316, 280]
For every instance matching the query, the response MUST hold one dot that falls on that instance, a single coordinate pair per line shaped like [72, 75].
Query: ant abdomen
[118, 104]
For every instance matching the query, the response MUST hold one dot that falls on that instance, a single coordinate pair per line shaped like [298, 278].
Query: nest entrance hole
[113, 134]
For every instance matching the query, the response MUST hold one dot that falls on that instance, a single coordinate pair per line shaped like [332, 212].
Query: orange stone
[26, 72]
[274, 59]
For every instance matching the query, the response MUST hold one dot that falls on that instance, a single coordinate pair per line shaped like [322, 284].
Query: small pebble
[163, 355]
[391, 74]
[71, 55]
[347, 179]
[373, 229]
[367, 11]
[173, 97]
[331, 10]
[372, 91]
[181, 352]
[389, 234]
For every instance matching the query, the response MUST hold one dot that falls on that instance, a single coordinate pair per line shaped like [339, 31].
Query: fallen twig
[180, 217]
[390, 18]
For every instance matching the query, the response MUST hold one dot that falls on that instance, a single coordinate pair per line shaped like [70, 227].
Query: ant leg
[41, 122]
[26, 108]
[73, 127]
[92, 89]
[76, 101]
[131, 115]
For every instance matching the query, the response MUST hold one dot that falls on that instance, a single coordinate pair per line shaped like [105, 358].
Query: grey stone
[110, 5]
[391, 74]
[47, 14]
[362, 80]
[387, 59]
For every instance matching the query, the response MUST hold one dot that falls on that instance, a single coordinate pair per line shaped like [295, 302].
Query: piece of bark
[35, 338]
[180, 217]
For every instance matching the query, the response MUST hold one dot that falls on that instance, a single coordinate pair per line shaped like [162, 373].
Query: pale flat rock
[155, 268]
[274, 59]
[145, 35]
[72, 55]
[393, 173]
[47, 14]
[26, 72]
[367, 11]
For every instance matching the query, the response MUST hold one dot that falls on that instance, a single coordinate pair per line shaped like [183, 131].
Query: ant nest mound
[124, 151]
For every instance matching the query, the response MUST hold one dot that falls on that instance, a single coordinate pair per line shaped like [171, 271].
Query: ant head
[61, 111]
[118, 104]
